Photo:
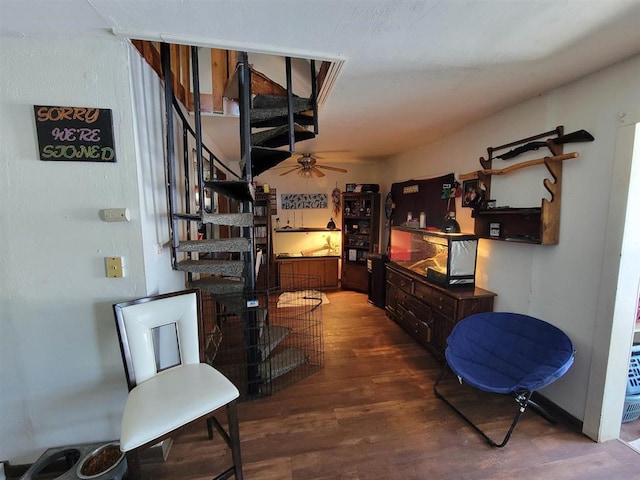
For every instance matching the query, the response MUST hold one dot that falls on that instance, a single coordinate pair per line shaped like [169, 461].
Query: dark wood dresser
[429, 312]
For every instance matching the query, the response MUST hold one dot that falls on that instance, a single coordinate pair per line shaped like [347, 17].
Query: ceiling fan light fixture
[309, 168]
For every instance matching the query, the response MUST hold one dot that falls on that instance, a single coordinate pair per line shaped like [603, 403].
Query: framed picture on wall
[472, 194]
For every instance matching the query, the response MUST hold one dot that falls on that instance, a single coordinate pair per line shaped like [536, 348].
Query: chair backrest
[142, 322]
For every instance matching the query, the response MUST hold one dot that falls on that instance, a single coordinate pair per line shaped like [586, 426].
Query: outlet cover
[114, 266]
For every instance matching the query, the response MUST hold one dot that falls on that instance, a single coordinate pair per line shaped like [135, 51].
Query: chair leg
[210, 428]
[133, 465]
[234, 438]
[522, 399]
[233, 441]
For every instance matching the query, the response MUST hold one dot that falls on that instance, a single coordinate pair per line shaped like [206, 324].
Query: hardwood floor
[371, 414]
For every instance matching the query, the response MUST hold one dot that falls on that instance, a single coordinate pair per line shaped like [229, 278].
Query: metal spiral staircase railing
[214, 244]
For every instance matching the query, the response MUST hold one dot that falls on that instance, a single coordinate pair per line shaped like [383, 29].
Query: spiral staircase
[213, 242]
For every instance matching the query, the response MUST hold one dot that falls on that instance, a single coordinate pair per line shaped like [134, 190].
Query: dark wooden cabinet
[429, 312]
[360, 225]
[319, 272]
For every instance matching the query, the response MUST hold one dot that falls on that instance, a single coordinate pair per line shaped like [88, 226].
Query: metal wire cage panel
[266, 341]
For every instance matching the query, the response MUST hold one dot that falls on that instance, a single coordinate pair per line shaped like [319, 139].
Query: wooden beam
[175, 67]
[219, 76]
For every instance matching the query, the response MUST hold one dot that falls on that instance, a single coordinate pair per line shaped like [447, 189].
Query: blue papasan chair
[509, 354]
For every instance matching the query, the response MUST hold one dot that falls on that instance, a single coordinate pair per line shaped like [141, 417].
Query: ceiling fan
[307, 167]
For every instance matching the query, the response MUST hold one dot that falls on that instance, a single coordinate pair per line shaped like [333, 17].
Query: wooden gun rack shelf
[537, 225]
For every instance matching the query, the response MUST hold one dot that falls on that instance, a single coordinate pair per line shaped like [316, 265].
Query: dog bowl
[102, 462]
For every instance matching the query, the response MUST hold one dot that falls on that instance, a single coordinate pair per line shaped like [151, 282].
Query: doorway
[629, 278]
[619, 280]
[627, 308]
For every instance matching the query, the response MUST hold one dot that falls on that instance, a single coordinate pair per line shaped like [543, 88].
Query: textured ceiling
[413, 70]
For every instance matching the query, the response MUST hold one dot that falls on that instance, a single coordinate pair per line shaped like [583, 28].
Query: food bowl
[106, 459]
[65, 463]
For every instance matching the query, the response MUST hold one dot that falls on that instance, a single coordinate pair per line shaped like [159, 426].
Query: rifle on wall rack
[574, 137]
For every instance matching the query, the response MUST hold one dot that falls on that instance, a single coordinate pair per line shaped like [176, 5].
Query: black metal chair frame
[522, 398]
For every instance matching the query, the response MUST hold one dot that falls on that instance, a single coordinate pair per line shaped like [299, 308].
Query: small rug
[301, 298]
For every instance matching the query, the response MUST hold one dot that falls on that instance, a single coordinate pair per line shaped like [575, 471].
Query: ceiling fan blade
[280, 167]
[335, 169]
[317, 172]
[320, 152]
[289, 171]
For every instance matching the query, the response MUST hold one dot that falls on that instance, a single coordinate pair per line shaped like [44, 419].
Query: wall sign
[293, 201]
[75, 134]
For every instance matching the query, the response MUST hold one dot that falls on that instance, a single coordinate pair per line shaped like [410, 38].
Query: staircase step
[279, 137]
[232, 219]
[282, 363]
[227, 268]
[278, 120]
[219, 286]
[261, 114]
[271, 337]
[237, 244]
[187, 216]
[236, 189]
[300, 104]
[265, 158]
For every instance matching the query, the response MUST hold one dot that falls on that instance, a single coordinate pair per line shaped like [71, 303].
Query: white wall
[61, 375]
[559, 283]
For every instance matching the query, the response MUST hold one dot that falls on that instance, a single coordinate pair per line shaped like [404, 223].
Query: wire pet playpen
[266, 341]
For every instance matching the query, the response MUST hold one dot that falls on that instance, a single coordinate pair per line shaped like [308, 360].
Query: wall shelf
[307, 229]
[521, 225]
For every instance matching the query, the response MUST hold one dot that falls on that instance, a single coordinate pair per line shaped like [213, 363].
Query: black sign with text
[75, 134]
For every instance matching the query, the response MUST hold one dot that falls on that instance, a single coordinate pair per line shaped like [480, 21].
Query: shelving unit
[263, 207]
[360, 225]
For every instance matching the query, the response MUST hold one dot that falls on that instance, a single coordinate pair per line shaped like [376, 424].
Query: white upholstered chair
[164, 398]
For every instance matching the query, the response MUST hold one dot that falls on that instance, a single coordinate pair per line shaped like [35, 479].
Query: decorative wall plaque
[294, 201]
[79, 134]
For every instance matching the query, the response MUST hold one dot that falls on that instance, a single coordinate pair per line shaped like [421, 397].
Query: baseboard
[557, 412]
